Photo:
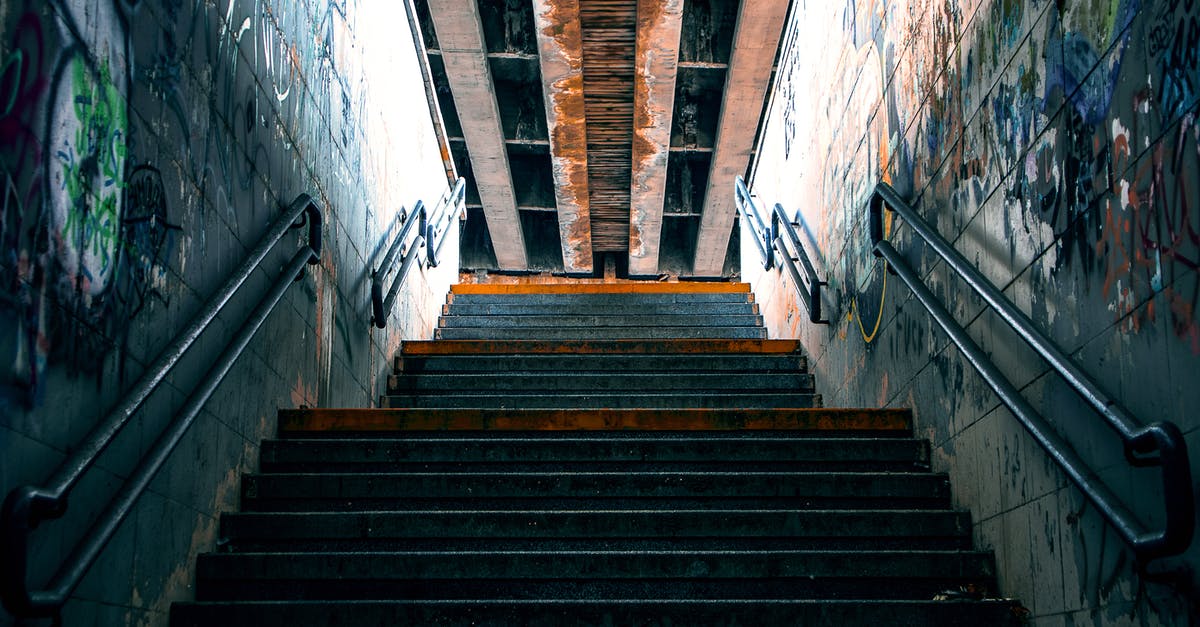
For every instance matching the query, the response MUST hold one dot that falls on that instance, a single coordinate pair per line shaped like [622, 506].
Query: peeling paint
[560, 46]
[658, 30]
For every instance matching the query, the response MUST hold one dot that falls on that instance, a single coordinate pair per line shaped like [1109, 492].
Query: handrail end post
[378, 315]
[314, 241]
[875, 220]
[431, 251]
[814, 313]
[23, 509]
[1178, 499]
[315, 221]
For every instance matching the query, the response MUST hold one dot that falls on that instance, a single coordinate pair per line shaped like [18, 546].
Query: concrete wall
[1056, 144]
[146, 147]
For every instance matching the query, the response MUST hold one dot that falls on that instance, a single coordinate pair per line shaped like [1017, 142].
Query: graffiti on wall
[65, 126]
[124, 125]
[1080, 116]
[1057, 145]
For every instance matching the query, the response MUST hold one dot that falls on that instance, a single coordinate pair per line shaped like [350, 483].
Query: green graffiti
[11, 87]
[93, 167]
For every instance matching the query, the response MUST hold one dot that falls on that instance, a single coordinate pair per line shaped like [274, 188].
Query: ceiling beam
[755, 41]
[560, 54]
[460, 37]
[658, 26]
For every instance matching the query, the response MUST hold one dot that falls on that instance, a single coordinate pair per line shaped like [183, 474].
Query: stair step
[639, 288]
[581, 490]
[603, 400]
[628, 384]
[715, 610]
[607, 300]
[597, 451]
[460, 308]
[617, 346]
[298, 422]
[621, 320]
[587, 574]
[586, 363]
[599, 333]
[631, 529]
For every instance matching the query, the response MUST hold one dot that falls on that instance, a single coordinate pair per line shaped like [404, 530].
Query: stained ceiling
[594, 129]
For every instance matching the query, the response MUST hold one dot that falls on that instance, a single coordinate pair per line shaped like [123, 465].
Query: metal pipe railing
[439, 225]
[1157, 444]
[381, 306]
[810, 288]
[781, 236]
[432, 230]
[749, 212]
[27, 506]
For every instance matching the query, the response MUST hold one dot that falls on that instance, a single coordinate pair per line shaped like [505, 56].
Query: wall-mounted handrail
[381, 306]
[807, 283]
[749, 212]
[1156, 444]
[27, 506]
[781, 236]
[448, 208]
[432, 231]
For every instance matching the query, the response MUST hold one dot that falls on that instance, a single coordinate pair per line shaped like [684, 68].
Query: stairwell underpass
[603, 453]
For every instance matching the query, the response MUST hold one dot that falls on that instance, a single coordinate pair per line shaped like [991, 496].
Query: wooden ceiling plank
[460, 37]
[658, 27]
[609, 36]
[755, 41]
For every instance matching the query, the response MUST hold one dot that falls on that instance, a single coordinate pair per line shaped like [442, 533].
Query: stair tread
[599, 333]
[724, 564]
[605, 401]
[599, 363]
[638, 287]
[459, 307]
[579, 451]
[596, 485]
[599, 523]
[708, 611]
[328, 421]
[615, 346]
[622, 319]
[470, 383]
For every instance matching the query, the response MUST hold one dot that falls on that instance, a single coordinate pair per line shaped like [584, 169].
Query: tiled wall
[1056, 145]
[146, 147]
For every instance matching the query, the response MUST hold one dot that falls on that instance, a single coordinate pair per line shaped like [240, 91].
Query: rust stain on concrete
[656, 65]
[560, 47]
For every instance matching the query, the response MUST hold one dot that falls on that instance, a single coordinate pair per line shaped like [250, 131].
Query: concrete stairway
[657, 462]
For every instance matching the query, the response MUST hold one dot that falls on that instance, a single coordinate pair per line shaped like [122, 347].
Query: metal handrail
[431, 235]
[27, 506]
[808, 286]
[1140, 442]
[450, 206]
[749, 212]
[781, 236]
[381, 306]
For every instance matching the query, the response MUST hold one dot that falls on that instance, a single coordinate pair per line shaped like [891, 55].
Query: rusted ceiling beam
[755, 41]
[560, 53]
[658, 27]
[460, 35]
